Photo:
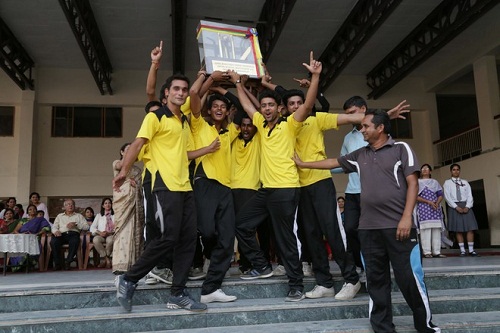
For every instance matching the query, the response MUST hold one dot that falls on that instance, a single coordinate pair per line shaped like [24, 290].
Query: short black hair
[168, 83]
[355, 101]
[151, 104]
[455, 165]
[380, 117]
[218, 97]
[292, 92]
[34, 193]
[271, 94]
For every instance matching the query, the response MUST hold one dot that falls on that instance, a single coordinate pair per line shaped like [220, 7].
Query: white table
[13, 245]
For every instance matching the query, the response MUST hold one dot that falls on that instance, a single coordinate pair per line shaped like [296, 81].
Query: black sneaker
[185, 301]
[124, 292]
[474, 254]
[258, 273]
[295, 296]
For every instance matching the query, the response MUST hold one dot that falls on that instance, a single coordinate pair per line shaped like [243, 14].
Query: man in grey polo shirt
[388, 172]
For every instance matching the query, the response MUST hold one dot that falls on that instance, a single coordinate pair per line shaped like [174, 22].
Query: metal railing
[459, 147]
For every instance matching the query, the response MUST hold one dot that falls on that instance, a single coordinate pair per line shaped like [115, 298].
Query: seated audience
[35, 200]
[89, 215]
[33, 224]
[66, 230]
[10, 203]
[18, 212]
[8, 223]
[103, 230]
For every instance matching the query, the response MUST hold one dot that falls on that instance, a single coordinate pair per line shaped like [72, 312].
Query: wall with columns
[82, 166]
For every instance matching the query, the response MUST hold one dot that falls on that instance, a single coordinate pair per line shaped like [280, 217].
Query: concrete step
[249, 311]
[103, 294]
[486, 322]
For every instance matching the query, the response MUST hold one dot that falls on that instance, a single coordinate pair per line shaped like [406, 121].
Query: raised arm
[244, 100]
[325, 105]
[253, 99]
[194, 94]
[399, 110]
[156, 54]
[356, 118]
[216, 76]
[314, 67]
[265, 81]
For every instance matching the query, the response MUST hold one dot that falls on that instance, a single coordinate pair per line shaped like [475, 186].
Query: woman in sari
[28, 225]
[129, 217]
[32, 224]
[8, 224]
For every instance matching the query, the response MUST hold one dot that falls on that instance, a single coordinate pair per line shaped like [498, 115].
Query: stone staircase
[463, 300]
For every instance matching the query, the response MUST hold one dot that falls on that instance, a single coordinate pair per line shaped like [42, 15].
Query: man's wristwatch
[238, 81]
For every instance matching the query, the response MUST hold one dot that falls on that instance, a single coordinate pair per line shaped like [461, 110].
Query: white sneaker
[362, 276]
[217, 296]
[150, 280]
[279, 271]
[320, 291]
[307, 269]
[348, 291]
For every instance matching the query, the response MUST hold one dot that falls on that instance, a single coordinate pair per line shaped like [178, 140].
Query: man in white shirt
[66, 230]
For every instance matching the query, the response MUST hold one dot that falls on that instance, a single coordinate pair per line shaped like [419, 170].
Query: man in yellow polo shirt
[318, 205]
[167, 132]
[211, 183]
[280, 190]
[245, 180]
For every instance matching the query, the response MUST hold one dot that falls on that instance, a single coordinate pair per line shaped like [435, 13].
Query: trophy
[223, 47]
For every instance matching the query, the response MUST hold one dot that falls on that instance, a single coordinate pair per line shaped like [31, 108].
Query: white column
[488, 101]
[25, 123]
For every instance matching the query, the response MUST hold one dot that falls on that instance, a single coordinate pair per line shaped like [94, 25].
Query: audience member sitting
[33, 224]
[35, 200]
[8, 223]
[66, 230]
[18, 212]
[10, 203]
[7, 226]
[103, 230]
[89, 215]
